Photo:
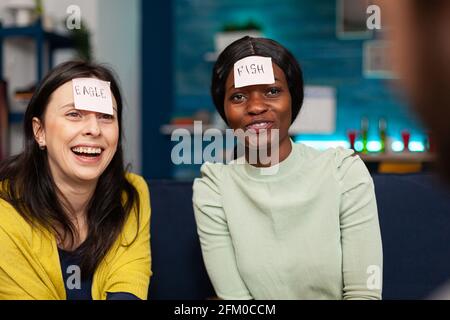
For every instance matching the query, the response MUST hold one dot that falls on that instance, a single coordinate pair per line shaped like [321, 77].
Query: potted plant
[82, 42]
[234, 31]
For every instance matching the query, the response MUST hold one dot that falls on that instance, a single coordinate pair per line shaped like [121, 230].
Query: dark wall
[157, 86]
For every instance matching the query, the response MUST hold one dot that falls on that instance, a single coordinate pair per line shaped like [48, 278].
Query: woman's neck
[273, 156]
[77, 195]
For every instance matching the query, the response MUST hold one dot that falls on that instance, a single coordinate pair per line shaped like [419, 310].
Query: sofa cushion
[177, 263]
[414, 213]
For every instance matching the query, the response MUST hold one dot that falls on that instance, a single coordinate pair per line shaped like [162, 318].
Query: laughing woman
[74, 224]
[307, 230]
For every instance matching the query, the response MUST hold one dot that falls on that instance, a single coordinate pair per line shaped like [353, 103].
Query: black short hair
[249, 46]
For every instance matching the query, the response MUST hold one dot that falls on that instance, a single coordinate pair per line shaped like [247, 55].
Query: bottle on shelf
[364, 133]
[405, 137]
[352, 138]
[382, 128]
[429, 142]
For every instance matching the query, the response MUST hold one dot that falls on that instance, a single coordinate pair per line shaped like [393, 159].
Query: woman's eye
[237, 97]
[73, 115]
[106, 116]
[273, 91]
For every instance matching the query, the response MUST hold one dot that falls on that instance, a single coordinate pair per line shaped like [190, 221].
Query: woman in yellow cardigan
[74, 224]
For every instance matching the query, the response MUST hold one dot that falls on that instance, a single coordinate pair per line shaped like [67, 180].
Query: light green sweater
[310, 231]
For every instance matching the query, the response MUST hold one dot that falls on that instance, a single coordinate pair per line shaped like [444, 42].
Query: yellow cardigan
[30, 266]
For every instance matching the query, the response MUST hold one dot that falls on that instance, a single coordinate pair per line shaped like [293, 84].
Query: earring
[41, 146]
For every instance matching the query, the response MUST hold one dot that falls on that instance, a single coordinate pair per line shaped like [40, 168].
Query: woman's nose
[91, 125]
[256, 104]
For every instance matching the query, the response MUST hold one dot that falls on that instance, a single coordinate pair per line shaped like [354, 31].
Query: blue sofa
[414, 213]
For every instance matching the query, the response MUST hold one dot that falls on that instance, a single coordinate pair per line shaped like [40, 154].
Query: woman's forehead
[63, 94]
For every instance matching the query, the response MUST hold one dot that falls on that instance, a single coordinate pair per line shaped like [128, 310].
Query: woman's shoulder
[349, 168]
[7, 211]
[347, 160]
[210, 173]
[209, 180]
[137, 181]
[344, 162]
[142, 188]
[337, 154]
[11, 221]
[212, 170]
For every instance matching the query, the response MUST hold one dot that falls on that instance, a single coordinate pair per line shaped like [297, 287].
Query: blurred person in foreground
[420, 36]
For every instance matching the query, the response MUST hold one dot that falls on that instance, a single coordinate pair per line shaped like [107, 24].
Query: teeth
[88, 150]
[258, 125]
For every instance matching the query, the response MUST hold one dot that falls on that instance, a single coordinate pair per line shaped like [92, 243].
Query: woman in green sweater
[307, 230]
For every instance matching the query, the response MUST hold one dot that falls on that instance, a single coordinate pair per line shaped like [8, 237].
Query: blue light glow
[397, 146]
[374, 146]
[416, 146]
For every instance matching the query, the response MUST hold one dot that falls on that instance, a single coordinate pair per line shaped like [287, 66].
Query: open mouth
[87, 152]
[259, 125]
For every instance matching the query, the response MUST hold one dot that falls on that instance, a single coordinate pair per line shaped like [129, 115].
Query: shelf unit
[42, 38]
[167, 129]
[399, 157]
[389, 162]
[37, 33]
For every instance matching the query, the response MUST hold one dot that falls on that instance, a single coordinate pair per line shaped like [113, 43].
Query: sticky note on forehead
[253, 70]
[92, 95]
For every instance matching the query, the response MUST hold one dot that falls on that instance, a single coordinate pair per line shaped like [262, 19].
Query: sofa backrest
[414, 213]
[177, 263]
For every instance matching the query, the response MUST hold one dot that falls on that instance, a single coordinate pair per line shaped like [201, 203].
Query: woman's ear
[39, 132]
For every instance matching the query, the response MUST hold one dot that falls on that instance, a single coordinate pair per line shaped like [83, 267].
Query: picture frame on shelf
[351, 19]
[230, 33]
[318, 112]
[376, 60]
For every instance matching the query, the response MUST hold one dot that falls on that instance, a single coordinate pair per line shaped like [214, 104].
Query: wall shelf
[37, 33]
[398, 157]
[44, 40]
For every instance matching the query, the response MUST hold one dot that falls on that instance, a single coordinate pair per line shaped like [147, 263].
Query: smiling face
[261, 107]
[80, 144]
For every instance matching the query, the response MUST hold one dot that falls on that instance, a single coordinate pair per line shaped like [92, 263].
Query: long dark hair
[248, 46]
[27, 183]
